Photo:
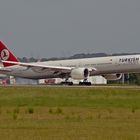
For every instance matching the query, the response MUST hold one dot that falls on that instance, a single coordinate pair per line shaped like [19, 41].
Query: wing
[55, 70]
[3, 69]
[37, 66]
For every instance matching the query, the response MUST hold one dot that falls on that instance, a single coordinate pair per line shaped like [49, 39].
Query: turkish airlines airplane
[110, 67]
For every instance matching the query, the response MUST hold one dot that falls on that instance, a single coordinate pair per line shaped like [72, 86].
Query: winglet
[6, 55]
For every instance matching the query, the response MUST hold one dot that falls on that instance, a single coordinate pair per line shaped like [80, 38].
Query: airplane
[110, 67]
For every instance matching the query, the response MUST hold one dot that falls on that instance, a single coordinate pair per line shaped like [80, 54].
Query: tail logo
[5, 54]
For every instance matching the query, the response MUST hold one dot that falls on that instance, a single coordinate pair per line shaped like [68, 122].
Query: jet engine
[79, 73]
[112, 77]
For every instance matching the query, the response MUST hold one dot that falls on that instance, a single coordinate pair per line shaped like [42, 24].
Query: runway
[94, 86]
[78, 86]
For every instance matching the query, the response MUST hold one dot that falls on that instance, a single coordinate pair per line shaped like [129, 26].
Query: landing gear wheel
[85, 83]
[70, 83]
[67, 82]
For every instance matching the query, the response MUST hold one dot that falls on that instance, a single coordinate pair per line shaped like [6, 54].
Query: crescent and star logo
[5, 54]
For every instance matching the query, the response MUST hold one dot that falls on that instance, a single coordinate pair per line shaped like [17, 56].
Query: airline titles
[129, 60]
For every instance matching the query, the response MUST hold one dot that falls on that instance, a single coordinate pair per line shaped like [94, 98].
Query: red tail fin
[6, 55]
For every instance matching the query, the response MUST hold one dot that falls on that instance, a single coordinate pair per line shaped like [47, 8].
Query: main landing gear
[67, 82]
[85, 82]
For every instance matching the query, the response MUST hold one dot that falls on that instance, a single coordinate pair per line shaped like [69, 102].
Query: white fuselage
[101, 66]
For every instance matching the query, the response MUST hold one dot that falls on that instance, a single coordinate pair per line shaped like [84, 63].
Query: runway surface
[77, 86]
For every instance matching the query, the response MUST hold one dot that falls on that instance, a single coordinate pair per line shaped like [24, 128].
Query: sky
[61, 28]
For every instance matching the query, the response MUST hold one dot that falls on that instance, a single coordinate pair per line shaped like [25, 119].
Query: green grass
[40, 113]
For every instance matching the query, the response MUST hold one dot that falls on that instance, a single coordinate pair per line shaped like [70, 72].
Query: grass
[40, 113]
[30, 110]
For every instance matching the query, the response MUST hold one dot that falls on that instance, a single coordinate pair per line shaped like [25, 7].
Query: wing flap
[3, 69]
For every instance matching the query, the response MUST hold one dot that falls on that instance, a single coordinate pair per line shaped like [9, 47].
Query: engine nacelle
[112, 77]
[79, 73]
